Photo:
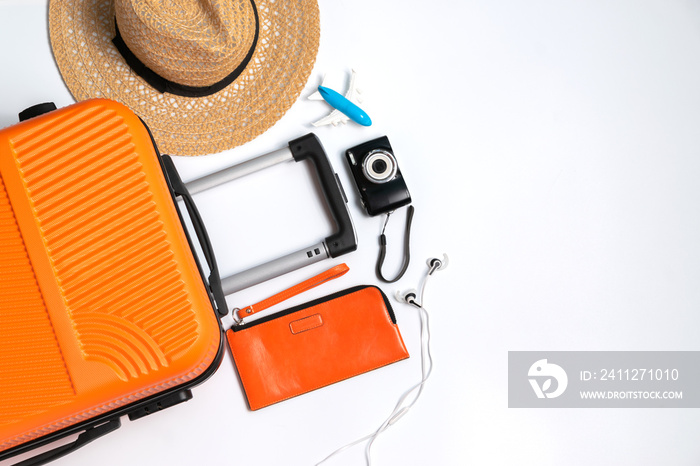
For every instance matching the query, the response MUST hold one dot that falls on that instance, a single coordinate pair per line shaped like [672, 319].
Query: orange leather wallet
[315, 344]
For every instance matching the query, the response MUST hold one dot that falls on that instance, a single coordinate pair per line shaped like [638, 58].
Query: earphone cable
[426, 369]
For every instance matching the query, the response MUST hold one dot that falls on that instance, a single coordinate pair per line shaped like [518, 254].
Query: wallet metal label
[307, 323]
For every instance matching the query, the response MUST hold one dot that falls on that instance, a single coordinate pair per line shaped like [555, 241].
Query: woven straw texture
[195, 43]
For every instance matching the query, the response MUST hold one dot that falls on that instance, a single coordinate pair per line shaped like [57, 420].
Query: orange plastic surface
[101, 301]
[315, 347]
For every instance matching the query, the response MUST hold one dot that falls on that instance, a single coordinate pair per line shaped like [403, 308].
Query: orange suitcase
[104, 309]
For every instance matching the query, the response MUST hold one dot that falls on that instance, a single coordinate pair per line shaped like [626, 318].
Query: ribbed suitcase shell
[101, 300]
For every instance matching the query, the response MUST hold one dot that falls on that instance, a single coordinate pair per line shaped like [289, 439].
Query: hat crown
[190, 42]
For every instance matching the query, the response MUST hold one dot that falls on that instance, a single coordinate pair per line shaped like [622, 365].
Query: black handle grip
[343, 240]
[179, 189]
[83, 439]
[36, 110]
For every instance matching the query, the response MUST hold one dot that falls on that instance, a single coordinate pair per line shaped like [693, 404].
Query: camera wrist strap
[406, 247]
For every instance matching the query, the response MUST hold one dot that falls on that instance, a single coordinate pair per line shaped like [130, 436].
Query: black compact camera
[377, 176]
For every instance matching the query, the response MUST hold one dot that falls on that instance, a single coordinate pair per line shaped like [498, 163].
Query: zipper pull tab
[240, 314]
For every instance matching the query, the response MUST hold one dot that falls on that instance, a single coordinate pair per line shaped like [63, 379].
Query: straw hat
[205, 75]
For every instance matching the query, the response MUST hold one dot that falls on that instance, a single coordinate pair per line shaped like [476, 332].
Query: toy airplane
[345, 108]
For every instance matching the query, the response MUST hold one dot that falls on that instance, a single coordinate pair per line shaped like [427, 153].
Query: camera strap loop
[406, 247]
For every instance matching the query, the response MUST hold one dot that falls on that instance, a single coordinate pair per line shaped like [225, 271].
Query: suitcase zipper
[241, 325]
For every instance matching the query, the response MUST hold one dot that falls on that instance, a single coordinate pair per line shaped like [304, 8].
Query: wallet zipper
[244, 325]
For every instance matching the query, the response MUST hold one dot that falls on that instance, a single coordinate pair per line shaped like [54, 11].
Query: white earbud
[415, 297]
[408, 297]
[438, 264]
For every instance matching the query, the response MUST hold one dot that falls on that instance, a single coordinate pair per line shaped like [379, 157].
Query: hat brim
[81, 33]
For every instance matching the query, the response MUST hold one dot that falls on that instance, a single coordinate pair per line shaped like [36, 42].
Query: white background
[552, 150]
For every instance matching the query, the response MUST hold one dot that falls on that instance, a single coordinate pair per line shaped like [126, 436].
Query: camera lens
[379, 166]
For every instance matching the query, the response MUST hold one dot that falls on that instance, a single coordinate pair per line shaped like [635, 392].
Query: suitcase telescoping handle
[342, 241]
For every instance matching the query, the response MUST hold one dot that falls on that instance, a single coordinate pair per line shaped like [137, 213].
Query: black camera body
[377, 176]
